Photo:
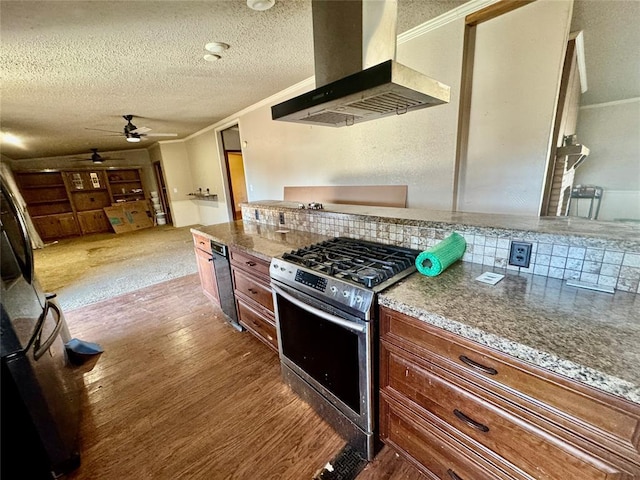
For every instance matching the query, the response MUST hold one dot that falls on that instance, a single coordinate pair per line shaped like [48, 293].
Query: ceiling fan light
[260, 5]
[133, 138]
[211, 57]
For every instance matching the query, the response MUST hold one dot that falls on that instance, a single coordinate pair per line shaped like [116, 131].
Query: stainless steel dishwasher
[222, 267]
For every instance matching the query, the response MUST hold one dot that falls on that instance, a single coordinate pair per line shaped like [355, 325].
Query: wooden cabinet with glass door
[89, 195]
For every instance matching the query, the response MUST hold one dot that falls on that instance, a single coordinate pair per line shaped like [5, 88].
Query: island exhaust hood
[357, 77]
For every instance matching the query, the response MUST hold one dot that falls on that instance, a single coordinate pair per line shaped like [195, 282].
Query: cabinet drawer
[259, 324]
[435, 453]
[202, 242]
[606, 419]
[250, 263]
[250, 288]
[442, 396]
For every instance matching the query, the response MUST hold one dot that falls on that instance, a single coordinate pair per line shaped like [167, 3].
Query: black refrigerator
[41, 389]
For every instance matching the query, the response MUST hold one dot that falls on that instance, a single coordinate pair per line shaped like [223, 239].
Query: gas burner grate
[359, 261]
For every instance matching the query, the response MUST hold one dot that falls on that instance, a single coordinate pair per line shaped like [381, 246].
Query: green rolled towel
[435, 260]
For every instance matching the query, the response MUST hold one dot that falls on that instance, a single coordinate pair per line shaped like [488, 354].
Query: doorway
[234, 164]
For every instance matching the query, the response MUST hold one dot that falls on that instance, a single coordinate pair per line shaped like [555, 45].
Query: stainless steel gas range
[325, 305]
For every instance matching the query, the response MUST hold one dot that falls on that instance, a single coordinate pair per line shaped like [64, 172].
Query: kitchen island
[523, 379]
[590, 337]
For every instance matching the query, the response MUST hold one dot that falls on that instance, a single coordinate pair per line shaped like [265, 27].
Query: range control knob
[334, 289]
[359, 298]
[345, 293]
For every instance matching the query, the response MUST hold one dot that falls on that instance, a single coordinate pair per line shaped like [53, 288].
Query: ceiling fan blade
[140, 130]
[101, 130]
[160, 134]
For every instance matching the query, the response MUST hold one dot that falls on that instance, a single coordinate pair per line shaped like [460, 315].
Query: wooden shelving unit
[68, 203]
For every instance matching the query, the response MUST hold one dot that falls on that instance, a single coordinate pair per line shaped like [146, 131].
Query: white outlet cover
[490, 278]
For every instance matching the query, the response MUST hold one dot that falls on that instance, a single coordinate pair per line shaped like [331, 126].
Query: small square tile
[512, 267]
[607, 281]
[503, 243]
[500, 262]
[613, 257]
[631, 260]
[545, 248]
[577, 252]
[631, 273]
[556, 272]
[594, 254]
[488, 260]
[589, 277]
[574, 264]
[610, 270]
[591, 267]
[478, 250]
[527, 270]
[489, 250]
[560, 250]
[491, 242]
[467, 257]
[627, 285]
[479, 240]
[541, 270]
[543, 260]
[558, 262]
[478, 258]
[571, 274]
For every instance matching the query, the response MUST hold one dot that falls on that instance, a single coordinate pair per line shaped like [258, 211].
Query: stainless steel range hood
[357, 77]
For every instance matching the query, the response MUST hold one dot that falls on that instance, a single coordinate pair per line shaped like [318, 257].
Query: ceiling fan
[134, 134]
[96, 158]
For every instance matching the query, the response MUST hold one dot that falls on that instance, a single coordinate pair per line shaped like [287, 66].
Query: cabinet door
[207, 274]
[94, 221]
[68, 225]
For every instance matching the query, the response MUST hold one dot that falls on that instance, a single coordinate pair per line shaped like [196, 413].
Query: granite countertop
[262, 241]
[588, 336]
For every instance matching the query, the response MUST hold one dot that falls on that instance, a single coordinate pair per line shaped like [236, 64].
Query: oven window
[325, 351]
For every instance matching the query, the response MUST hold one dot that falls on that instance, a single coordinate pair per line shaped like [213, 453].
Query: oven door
[329, 349]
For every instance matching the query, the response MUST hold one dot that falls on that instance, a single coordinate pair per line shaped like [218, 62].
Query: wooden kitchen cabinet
[71, 202]
[254, 299]
[485, 406]
[206, 268]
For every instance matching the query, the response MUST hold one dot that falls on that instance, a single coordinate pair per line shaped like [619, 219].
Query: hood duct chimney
[357, 77]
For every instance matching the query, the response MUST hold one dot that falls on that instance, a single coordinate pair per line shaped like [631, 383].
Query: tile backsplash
[566, 257]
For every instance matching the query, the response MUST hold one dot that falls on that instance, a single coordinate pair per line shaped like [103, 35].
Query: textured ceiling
[70, 66]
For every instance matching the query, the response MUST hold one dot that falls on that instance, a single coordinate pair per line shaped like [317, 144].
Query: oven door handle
[356, 327]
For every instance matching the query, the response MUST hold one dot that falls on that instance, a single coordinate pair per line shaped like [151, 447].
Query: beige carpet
[88, 269]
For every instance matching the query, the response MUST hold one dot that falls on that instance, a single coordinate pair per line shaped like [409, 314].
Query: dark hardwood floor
[179, 394]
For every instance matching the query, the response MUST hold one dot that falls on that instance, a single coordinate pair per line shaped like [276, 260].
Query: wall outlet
[256, 214]
[520, 254]
[281, 216]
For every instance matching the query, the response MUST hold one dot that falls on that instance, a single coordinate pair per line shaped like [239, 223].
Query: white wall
[416, 149]
[610, 131]
[206, 173]
[517, 69]
[177, 172]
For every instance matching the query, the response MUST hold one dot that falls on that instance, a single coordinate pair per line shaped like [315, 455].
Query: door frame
[224, 168]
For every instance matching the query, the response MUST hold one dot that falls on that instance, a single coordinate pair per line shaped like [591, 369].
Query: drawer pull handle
[201, 243]
[250, 263]
[210, 259]
[478, 366]
[453, 475]
[253, 291]
[469, 421]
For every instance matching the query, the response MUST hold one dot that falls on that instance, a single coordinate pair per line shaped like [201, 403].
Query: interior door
[237, 182]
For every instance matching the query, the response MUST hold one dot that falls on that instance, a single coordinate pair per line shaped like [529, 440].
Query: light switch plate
[490, 278]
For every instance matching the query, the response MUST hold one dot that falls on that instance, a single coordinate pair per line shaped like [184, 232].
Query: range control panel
[320, 286]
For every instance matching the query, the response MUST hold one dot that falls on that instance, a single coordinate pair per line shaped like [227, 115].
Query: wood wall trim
[495, 10]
